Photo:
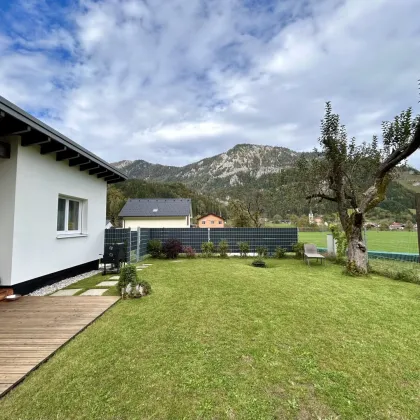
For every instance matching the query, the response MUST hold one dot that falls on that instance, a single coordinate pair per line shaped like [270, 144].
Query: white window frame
[78, 231]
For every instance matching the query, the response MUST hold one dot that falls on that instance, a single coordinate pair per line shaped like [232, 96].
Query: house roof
[211, 214]
[15, 121]
[159, 207]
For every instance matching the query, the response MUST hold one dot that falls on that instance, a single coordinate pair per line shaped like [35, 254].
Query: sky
[175, 81]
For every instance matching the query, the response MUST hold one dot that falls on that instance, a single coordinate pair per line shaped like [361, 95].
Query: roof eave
[112, 174]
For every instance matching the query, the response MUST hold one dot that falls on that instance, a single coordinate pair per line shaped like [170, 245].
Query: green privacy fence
[136, 240]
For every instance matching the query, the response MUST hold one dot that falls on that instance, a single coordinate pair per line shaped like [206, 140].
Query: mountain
[217, 172]
[246, 168]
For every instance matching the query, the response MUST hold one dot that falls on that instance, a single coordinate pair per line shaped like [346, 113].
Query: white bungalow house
[156, 213]
[52, 202]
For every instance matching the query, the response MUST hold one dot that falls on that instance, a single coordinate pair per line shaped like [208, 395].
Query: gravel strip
[46, 290]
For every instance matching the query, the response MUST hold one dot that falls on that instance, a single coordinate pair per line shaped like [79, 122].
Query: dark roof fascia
[38, 125]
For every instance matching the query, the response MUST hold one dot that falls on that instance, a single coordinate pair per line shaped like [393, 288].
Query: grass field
[219, 339]
[389, 241]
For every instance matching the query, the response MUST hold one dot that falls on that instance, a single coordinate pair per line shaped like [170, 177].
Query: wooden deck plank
[34, 327]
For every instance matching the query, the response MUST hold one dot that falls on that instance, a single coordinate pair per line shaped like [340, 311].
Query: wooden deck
[34, 328]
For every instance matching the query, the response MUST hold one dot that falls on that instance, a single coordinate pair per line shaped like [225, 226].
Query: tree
[383, 227]
[114, 203]
[247, 213]
[355, 177]
[409, 225]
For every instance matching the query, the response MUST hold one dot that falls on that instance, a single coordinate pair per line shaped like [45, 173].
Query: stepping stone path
[106, 284]
[66, 292]
[94, 292]
[112, 281]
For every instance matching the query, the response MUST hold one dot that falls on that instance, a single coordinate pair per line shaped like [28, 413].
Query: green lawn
[389, 241]
[219, 339]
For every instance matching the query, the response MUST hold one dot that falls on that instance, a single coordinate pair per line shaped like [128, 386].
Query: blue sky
[174, 81]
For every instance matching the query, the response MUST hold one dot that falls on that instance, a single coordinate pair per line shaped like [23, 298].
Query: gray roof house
[156, 213]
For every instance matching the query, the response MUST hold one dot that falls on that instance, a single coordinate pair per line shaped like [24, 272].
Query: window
[212, 222]
[220, 222]
[69, 215]
[203, 222]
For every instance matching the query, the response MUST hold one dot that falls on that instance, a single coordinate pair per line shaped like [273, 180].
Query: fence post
[366, 244]
[138, 244]
[208, 235]
[418, 222]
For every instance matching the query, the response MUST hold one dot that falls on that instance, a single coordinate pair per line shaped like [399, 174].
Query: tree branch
[400, 154]
[322, 197]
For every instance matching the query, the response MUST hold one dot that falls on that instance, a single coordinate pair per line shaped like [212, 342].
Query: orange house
[211, 220]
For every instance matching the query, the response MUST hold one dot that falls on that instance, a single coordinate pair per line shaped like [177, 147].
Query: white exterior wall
[7, 210]
[37, 251]
[156, 222]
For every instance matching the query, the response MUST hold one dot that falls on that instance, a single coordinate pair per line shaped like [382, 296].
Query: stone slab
[114, 278]
[106, 284]
[94, 292]
[66, 292]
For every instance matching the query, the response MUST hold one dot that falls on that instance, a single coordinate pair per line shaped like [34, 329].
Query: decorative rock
[43, 291]
[94, 292]
[106, 284]
[66, 292]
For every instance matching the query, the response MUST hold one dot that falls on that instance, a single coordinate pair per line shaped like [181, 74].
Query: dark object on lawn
[115, 255]
[310, 251]
[259, 263]
[172, 248]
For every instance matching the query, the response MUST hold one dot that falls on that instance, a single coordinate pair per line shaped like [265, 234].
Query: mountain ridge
[219, 171]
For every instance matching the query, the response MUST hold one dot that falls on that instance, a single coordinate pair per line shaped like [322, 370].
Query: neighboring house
[211, 220]
[52, 202]
[396, 226]
[108, 224]
[156, 213]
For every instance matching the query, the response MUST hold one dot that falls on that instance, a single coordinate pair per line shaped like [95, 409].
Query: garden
[220, 338]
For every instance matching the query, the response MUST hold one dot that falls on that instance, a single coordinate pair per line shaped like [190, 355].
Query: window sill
[71, 235]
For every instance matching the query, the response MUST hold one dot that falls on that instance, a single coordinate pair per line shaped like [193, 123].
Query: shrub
[207, 248]
[189, 252]
[172, 248]
[341, 242]
[145, 288]
[128, 276]
[243, 248]
[223, 248]
[262, 251]
[298, 249]
[154, 248]
[397, 270]
[259, 262]
[280, 252]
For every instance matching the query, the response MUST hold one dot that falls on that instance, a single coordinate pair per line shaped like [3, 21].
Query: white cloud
[175, 81]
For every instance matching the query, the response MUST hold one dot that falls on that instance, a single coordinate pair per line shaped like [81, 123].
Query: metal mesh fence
[392, 245]
[382, 245]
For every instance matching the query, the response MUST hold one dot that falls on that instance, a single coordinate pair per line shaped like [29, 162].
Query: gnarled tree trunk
[357, 253]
